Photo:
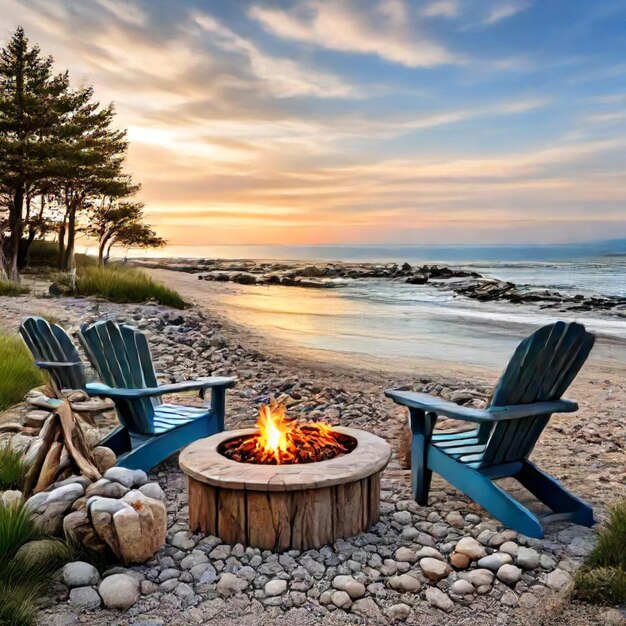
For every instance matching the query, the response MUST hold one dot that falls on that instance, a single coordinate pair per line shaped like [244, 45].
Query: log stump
[284, 507]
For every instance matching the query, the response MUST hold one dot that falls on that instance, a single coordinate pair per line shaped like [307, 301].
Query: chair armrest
[49, 365]
[105, 391]
[435, 404]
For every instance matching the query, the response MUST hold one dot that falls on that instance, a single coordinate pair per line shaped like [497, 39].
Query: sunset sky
[358, 121]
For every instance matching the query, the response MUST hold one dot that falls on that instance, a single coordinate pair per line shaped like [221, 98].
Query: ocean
[390, 320]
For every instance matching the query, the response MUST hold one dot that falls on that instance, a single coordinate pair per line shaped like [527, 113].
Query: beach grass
[28, 561]
[7, 288]
[12, 469]
[18, 374]
[602, 579]
[124, 284]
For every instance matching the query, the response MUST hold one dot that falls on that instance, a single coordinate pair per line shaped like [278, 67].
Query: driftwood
[63, 444]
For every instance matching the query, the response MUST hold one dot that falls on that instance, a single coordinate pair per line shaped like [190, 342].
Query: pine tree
[33, 103]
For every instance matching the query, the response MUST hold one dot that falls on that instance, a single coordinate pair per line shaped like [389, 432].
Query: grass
[7, 288]
[602, 579]
[46, 254]
[12, 469]
[18, 374]
[124, 284]
[28, 562]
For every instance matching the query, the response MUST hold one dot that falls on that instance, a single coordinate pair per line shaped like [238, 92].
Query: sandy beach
[585, 450]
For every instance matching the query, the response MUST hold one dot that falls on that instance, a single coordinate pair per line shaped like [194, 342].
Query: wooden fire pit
[283, 507]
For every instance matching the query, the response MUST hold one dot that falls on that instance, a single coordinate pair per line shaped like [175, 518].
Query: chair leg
[422, 425]
[553, 494]
[486, 493]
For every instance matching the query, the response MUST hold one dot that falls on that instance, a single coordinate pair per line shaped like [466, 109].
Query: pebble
[527, 558]
[495, 561]
[79, 574]
[398, 612]
[119, 591]
[439, 599]
[341, 599]
[351, 586]
[405, 583]
[275, 587]
[84, 599]
[509, 574]
[462, 587]
[558, 579]
[434, 569]
[471, 548]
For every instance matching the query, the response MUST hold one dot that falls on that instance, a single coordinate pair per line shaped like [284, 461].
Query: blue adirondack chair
[151, 430]
[55, 353]
[528, 392]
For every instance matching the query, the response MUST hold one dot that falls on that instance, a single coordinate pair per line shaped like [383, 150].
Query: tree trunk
[62, 229]
[15, 234]
[68, 257]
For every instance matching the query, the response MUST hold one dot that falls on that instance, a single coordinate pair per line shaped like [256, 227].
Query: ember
[282, 440]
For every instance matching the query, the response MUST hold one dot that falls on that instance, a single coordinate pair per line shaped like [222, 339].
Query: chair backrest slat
[541, 369]
[49, 342]
[121, 356]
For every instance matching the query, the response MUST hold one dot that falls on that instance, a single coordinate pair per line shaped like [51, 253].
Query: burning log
[281, 440]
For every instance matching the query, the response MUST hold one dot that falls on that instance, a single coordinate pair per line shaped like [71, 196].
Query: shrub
[602, 579]
[27, 565]
[18, 374]
[7, 288]
[122, 284]
[12, 469]
[44, 253]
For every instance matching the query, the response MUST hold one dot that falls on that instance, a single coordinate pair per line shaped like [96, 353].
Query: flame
[282, 440]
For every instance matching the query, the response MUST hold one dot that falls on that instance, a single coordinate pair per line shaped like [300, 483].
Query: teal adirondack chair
[528, 392]
[151, 430]
[54, 352]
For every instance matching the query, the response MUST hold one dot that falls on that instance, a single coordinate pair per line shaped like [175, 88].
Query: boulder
[79, 574]
[104, 458]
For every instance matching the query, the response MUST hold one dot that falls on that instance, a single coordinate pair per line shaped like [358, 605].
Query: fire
[282, 440]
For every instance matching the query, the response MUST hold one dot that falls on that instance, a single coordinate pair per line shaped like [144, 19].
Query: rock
[470, 548]
[84, 599]
[495, 561]
[49, 507]
[107, 489]
[229, 584]
[219, 553]
[79, 574]
[478, 577]
[341, 599]
[405, 555]
[398, 612]
[462, 587]
[509, 574]
[509, 547]
[104, 458]
[417, 279]
[558, 579]
[405, 583]
[509, 598]
[438, 599]
[454, 518]
[20, 443]
[368, 609]
[78, 529]
[119, 591]
[459, 561]
[154, 491]
[434, 569]
[121, 475]
[351, 586]
[275, 587]
[527, 558]
[431, 552]
[10, 496]
[37, 554]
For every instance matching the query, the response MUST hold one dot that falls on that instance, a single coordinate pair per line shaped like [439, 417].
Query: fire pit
[286, 485]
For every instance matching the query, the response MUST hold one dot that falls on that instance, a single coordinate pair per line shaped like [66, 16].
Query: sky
[358, 121]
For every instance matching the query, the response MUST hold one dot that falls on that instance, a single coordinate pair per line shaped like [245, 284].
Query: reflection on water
[389, 319]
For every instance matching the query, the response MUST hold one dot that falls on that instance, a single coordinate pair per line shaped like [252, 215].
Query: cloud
[341, 26]
[441, 8]
[504, 10]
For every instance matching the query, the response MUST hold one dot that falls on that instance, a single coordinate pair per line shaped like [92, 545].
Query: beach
[585, 449]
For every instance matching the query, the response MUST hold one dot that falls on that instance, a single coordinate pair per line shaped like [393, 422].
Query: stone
[478, 577]
[462, 587]
[509, 574]
[509, 547]
[459, 560]
[153, 490]
[275, 587]
[527, 558]
[398, 612]
[121, 475]
[368, 609]
[79, 574]
[438, 599]
[107, 489]
[405, 555]
[84, 599]
[455, 519]
[495, 561]
[558, 579]
[509, 598]
[77, 528]
[470, 548]
[219, 553]
[434, 569]
[341, 599]
[431, 552]
[405, 583]
[104, 458]
[119, 591]
[351, 586]
[229, 584]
